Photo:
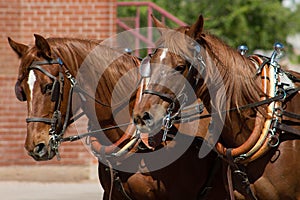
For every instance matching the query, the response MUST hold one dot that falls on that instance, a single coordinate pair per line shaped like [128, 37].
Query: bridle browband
[166, 97]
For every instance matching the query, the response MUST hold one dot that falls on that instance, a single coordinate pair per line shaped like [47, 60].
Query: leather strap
[288, 129]
[40, 119]
[291, 115]
[165, 97]
[229, 182]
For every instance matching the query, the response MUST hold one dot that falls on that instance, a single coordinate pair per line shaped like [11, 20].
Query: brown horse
[57, 76]
[252, 101]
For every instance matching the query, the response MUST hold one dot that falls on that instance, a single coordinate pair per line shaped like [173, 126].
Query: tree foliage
[256, 23]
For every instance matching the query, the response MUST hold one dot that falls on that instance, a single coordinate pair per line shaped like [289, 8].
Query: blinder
[55, 92]
[20, 94]
[145, 70]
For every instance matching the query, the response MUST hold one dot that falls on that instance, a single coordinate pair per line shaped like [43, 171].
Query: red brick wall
[13, 133]
[20, 19]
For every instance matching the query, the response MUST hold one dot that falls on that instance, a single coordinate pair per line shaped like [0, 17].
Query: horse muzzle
[147, 122]
[42, 152]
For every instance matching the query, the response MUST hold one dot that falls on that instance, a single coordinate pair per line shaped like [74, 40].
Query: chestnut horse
[254, 106]
[57, 76]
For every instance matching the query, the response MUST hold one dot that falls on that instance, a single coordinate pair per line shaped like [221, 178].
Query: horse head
[53, 80]
[41, 84]
[176, 67]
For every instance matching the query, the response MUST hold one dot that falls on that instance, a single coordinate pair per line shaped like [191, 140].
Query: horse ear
[19, 48]
[43, 46]
[160, 26]
[197, 28]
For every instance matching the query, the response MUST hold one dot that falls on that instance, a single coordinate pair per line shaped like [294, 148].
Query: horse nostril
[147, 116]
[40, 150]
[137, 120]
[147, 119]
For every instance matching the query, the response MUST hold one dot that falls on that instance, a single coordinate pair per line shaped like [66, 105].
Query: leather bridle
[56, 94]
[57, 128]
[182, 98]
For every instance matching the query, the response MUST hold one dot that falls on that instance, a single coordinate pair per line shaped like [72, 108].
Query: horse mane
[236, 72]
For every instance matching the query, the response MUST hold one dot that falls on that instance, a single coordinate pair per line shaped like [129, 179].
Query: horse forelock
[26, 61]
[176, 41]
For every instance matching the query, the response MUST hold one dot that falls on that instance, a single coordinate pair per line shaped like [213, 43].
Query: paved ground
[16, 190]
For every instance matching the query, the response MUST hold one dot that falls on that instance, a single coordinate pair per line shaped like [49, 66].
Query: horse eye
[48, 88]
[180, 68]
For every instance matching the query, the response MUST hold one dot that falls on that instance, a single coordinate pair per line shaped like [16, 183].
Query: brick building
[20, 19]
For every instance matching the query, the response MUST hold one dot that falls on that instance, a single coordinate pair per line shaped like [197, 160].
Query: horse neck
[228, 84]
[78, 58]
[74, 52]
[100, 82]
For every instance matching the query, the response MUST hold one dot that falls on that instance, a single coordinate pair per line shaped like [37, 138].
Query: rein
[91, 133]
[281, 97]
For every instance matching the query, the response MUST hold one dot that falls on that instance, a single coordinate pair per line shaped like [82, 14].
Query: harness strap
[80, 90]
[41, 119]
[92, 133]
[189, 112]
[291, 115]
[165, 97]
[38, 67]
[111, 173]
[292, 77]
[229, 182]
[208, 185]
[287, 129]
[251, 105]
[120, 187]
[114, 178]
[239, 175]
[75, 118]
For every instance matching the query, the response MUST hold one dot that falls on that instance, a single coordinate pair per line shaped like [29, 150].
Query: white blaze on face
[164, 54]
[31, 81]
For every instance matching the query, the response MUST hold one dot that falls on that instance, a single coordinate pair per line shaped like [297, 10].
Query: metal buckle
[167, 124]
[54, 143]
[273, 139]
